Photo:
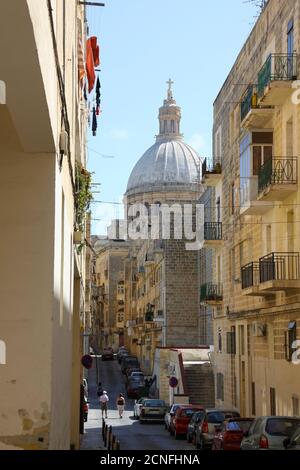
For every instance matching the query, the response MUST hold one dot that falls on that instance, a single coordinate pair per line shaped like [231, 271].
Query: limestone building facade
[256, 135]
[42, 142]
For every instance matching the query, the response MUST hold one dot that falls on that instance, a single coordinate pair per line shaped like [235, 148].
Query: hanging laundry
[81, 68]
[98, 95]
[94, 125]
[96, 51]
[92, 60]
[90, 67]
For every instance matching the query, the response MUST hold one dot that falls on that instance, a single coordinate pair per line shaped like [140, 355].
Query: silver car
[270, 432]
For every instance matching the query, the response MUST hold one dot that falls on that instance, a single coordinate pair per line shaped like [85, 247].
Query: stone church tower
[169, 173]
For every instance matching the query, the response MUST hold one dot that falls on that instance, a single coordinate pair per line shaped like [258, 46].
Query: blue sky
[143, 43]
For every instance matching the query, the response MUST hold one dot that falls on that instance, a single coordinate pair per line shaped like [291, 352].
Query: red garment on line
[92, 60]
[96, 51]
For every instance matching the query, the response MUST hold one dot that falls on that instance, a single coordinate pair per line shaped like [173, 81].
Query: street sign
[173, 382]
[87, 361]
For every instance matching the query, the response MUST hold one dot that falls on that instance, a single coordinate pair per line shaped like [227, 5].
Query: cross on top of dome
[170, 92]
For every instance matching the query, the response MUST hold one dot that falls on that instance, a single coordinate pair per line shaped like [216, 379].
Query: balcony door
[256, 151]
[262, 150]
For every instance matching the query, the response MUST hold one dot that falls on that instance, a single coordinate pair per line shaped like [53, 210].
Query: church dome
[169, 164]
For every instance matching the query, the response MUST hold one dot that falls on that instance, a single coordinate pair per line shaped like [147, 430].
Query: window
[295, 405]
[290, 37]
[253, 402]
[220, 339]
[290, 337]
[120, 289]
[218, 209]
[218, 144]
[173, 125]
[241, 340]
[231, 343]
[232, 199]
[220, 386]
[255, 150]
[273, 401]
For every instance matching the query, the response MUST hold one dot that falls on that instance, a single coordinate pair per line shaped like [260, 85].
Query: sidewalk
[92, 437]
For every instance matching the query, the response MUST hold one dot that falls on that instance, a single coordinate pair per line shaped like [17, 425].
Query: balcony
[211, 294]
[211, 173]
[252, 115]
[250, 279]
[279, 272]
[249, 205]
[278, 179]
[275, 79]
[212, 235]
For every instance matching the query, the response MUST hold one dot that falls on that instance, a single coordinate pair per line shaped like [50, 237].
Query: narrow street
[131, 434]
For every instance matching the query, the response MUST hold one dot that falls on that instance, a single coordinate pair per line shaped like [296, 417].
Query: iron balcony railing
[277, 67]
[211, 168]
[211, 292]
[278, 171]
[249, 101]
[149, 316]
[213, 231]
[250, 275]
[279, 267]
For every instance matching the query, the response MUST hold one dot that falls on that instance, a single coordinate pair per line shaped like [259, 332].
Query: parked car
[230, 434]
[129, 361]
[85, 409]
[130, 369]
[196, 419]
[169, 416]
[153, 410]
[135, 388]
[107, 354]
[270, 432]
[182, 418]
[137, 407]
[136, 374]
[206, 431]
[122, 352]
[293, 443]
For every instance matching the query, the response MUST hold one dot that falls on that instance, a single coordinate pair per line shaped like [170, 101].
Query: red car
[182, 418]
[230, 434]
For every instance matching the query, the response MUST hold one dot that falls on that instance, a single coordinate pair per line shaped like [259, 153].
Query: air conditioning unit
[259, 329]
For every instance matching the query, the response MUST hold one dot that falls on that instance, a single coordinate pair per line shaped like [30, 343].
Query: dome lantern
[169, 118]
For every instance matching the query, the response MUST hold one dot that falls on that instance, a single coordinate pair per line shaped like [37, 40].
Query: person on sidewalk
[103, 403]
[121, 404]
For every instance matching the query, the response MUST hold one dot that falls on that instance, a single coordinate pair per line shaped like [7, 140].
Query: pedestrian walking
[121, 404]
[103, 403]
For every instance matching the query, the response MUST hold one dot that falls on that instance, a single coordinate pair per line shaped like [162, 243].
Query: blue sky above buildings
[143, 43]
